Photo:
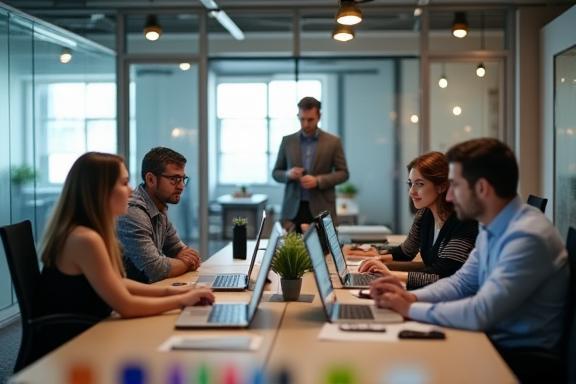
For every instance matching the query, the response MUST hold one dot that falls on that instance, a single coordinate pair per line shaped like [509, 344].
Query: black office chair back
[538, 202]
[570, 331]
[23, 264]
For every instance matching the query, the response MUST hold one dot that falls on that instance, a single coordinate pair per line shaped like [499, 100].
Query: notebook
[233, 281]
[232, 315]
[335, 311]
[348, 279]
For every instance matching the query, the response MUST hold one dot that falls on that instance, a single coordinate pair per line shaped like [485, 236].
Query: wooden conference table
[289, 343]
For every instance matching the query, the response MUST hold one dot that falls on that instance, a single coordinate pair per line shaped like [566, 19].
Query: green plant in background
[239, 221]
[22, 174]
[291, 259]
[347, 189]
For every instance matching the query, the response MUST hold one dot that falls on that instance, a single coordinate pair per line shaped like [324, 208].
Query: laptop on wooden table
[232, 315]
[233, 281]
[334, 310]
[348, 279]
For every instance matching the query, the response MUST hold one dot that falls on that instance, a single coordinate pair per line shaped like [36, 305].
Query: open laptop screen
[264, 269]
[321, 273]
[334, 244]
[258, 236]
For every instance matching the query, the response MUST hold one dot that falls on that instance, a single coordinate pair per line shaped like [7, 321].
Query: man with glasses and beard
[513, 285]
[152, 250]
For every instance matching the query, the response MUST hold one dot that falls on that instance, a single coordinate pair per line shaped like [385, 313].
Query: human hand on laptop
[198, 296]
[374, 266]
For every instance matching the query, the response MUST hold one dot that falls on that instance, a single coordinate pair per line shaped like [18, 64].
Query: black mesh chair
[538, 202]
[40, 334]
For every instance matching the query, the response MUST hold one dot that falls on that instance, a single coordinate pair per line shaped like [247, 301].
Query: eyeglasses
[176, 179]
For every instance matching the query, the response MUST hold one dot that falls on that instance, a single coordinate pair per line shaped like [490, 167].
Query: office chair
[40, 334]
[538, 202]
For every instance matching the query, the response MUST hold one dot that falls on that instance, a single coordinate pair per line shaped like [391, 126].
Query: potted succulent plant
[291, 261]
[239, 237]
[347, 190]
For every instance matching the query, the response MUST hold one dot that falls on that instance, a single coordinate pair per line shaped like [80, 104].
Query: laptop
[232, 315]
[348, 279]
[339, 312]
[233, 281]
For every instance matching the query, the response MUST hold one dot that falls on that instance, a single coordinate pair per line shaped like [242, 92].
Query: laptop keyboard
[228, 281]
[354, 311]
[227, 314]
[361, 279]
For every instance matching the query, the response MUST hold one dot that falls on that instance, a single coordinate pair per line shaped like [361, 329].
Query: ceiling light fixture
[224, 20]
[443, 81]
[184, 66]
[348, 13]
[65, 56]
[480, 69]
[343, 33]
[460, 25]
[152, 30]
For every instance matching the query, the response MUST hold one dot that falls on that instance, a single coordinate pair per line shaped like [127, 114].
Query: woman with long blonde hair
[83, 271]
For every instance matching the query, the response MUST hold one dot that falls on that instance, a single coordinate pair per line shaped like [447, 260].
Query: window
[79, 117]
[252, 119]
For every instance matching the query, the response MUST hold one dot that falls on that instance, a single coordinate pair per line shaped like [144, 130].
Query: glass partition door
[565, 131]
[164, 112]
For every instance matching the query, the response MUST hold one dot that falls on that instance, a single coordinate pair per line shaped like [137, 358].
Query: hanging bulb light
[460, 25]
[65, 56]
[152, 29]
[480, 70]
[348, 13]
[443, 81]
[343, 33]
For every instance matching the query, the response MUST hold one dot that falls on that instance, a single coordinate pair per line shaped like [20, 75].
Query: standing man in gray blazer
[311, 163]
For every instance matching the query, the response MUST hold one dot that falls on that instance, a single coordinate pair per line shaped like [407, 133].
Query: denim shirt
[308, 145]
[148, 239]
[513, 285]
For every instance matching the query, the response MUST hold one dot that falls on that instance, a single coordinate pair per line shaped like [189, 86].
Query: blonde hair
[85, 200]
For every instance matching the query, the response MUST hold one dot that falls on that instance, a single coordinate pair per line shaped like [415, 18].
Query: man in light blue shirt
[514, 283]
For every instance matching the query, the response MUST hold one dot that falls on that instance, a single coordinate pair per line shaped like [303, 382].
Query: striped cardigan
[441, 258]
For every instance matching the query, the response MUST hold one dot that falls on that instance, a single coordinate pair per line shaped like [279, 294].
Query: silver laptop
[232, 315]
[348, 279]
[335, 311]
[233, 281]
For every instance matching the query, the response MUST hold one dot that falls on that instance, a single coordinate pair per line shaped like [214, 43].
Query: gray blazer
[329, 167]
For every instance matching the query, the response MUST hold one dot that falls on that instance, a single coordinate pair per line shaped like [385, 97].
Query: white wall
[529, 132]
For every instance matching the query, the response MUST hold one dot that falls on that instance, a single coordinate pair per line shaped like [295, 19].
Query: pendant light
[152, 30]
[460, 25]
[343, 33]
[480, 69]
[443, 81]
[348, 13]
[65, 56]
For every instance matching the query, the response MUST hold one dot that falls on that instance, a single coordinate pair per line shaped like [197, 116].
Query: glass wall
[164, 112]
[462, 104]
[565, 131]
[53, 108]
[362, 102]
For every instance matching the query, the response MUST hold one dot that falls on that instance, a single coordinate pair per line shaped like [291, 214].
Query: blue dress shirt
[513, 285]
[308, 145]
